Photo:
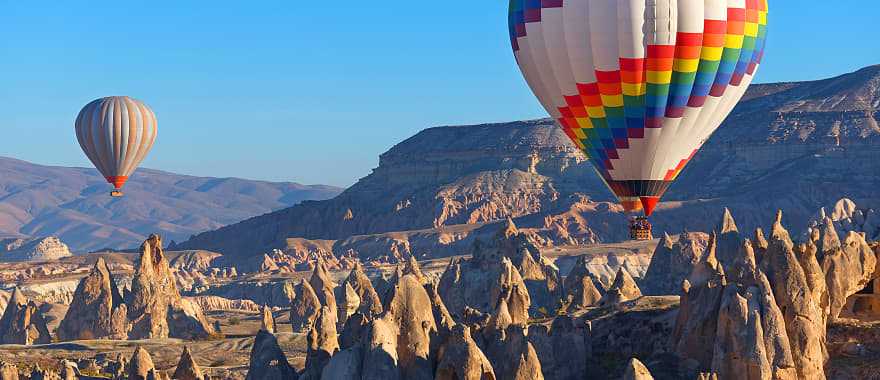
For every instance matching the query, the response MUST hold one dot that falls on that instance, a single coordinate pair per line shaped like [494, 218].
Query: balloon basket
[640, 229]
[116, 194]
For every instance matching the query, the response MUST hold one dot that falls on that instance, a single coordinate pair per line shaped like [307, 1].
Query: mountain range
[73, 204]
[794, 146]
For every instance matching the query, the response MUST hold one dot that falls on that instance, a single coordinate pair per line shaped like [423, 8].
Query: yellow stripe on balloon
[734, 41]
[659, 77]
[686, 65]
[596, 112]
[751, 29]
[579, 133]
[711, 53]
[583, 122]
[633, 89]
[613, 100]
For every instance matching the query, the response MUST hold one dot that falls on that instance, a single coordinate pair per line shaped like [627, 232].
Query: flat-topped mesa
[23, 322]
[305, 308]
[97, 310]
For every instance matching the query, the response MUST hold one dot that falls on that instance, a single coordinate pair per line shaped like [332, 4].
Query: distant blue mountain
[73, 204]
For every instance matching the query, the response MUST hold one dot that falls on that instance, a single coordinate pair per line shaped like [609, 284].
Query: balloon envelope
[116, 133]
[638, 85]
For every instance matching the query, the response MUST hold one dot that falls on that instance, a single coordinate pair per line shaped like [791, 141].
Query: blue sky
[311, 91]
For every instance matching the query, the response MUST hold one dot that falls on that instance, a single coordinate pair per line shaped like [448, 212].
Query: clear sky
[311, 91]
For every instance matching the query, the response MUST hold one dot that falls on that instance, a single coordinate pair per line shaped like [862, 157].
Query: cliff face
[440, 177]
[795, 146]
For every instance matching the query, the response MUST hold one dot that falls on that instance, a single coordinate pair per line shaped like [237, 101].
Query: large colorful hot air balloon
[116, 133]
[638, 85]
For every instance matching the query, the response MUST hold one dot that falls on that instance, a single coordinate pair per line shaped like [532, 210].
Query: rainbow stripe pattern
[642, 119]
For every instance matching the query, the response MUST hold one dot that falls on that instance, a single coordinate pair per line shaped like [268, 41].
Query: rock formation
[845, 216]
[97, 310]
[274, 293]
[445, 322]
[570, 343]
[479, 282]
[305, 309]
[461, 359]
[763, 312]
[514, 357]
[344, 365]
[510, 288]
[23, 322]
[324, 286]
[370, 303]
[848, 266]
[215, 303]
[42, 249]
[267, 360]
[348, 302]
[268, 321]
[187, 368]
[141, 365]
[623, 289]
[155, 307]
[635, 370]
[8, 371]
[69, 370]
[38, 373]
[322, 344]
[581, 291]
[411, 266]
[672, 262]
[804, 317]
[410, 312]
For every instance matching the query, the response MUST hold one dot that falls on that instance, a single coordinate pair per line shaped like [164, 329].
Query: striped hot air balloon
[116, 133]
[638, 85]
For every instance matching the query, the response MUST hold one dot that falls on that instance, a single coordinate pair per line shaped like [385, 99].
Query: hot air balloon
[638, 85]
[116, 133]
